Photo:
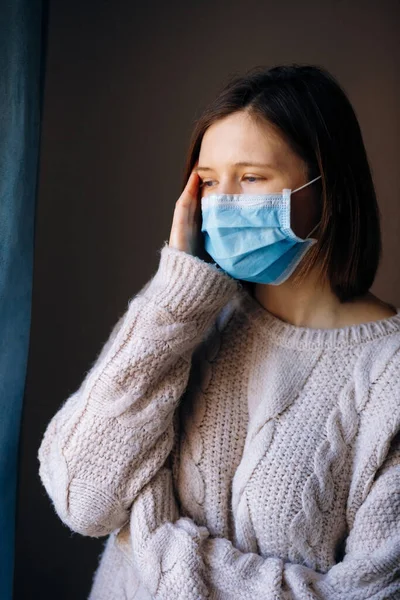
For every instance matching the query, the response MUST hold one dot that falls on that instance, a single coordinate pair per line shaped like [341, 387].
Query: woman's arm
[179, 559]
[111, 436]
[370, 568]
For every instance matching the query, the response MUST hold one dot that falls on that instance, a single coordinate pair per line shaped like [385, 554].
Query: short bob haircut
[314, 115]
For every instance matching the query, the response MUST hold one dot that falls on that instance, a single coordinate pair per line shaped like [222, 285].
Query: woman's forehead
[237, 142]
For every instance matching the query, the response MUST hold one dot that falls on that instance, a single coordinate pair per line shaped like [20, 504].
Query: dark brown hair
[315, 116]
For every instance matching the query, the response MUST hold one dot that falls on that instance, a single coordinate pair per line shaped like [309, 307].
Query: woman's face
[241, 155]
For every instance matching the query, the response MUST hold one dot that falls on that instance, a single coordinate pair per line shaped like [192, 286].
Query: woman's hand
[186, 232]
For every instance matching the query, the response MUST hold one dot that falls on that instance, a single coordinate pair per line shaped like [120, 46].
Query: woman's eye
[253, 177]
[205, 183]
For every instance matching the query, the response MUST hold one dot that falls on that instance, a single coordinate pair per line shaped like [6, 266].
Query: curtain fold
[21, 75]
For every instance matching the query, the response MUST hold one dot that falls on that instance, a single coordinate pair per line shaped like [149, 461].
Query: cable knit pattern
[193, 426]
[230, 455]
[318, 493]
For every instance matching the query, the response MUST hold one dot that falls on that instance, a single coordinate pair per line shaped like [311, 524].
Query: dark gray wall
[124, 82]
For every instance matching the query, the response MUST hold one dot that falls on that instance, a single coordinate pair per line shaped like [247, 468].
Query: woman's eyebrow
[238, 164]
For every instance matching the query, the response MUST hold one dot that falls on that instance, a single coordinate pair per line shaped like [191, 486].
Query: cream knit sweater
[229, 455]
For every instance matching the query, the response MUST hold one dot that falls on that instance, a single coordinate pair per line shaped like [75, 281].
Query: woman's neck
[307, 305]
[311, 304]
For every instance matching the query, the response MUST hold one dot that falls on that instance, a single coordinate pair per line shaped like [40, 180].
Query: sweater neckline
[294, 336]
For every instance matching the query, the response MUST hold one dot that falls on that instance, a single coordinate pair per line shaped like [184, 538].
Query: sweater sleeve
[111, 436]
[179, 559]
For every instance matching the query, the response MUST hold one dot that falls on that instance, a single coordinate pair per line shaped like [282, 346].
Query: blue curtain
[21, 48]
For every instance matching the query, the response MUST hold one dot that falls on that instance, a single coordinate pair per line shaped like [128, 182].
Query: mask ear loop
[313, 229]
[308, 183]
[300, 188]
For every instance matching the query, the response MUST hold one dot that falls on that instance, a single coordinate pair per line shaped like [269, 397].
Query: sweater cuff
[188, 287]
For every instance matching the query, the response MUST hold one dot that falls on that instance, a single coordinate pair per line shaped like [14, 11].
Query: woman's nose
[229, 189]
[228, 185]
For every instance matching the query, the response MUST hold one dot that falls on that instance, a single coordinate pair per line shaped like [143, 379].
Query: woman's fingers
[185, 228]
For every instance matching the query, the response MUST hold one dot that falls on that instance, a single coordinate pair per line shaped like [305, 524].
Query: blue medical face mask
[249, 235]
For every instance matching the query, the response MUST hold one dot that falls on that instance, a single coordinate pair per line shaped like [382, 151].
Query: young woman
[238, 435]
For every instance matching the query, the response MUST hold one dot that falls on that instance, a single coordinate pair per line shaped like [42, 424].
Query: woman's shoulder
[366, 309]
[377, 368]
